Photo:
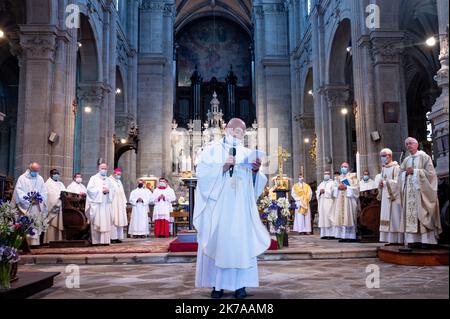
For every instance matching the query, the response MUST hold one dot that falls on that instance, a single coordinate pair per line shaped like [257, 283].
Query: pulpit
[75, 221]
[369, 217]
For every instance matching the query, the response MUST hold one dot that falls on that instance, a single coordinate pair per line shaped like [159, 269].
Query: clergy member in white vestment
[55, 219]
[163, 196]
[366, 183]
[302, 194]
[230, 232]
[77, 186]
[420, 204]
[325, 201]
[27, 183]
[345, 210]
[100, 193]
[140, 198]
[119, 208]
[391, 205]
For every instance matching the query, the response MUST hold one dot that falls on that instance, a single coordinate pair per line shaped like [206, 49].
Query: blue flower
[33, 196]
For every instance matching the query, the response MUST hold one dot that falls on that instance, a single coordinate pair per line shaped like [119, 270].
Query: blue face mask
[344, 170]
[33, 174]
[365, 178]
[118, 177]
[55, 177]
[103, 172]
[326, 177]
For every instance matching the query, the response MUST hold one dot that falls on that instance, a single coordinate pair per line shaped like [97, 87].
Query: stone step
[190, 257]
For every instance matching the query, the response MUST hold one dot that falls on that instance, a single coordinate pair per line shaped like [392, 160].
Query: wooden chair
[181, 218]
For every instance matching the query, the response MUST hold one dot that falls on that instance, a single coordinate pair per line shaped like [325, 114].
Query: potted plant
[14, 227]
[277, 213]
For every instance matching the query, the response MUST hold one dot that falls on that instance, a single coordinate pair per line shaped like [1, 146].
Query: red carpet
[177, 246]
[159, 245]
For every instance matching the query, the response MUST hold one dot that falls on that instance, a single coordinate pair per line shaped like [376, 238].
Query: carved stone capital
[92, 93]
[153, 5]
[386, 50]
[305, 121]
[38, 43]
[337, 96]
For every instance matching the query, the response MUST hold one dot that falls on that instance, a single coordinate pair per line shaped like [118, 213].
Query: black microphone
[232, 152]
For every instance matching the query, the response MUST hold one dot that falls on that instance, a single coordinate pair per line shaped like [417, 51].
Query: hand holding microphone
[229, 164]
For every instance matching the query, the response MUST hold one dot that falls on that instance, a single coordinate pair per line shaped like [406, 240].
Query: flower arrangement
[14, 227]
[277, 213]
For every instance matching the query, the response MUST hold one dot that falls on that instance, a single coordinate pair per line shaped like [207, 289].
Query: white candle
[358, 166]
[183, 164]
[189, 164]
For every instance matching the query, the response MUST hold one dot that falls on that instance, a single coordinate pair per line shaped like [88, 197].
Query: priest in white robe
[325, 201]
[140, 198]
[366, 183]
[77, 186]
[27, 184]
[420, 204]
[119, 217]
[391, 205]
[163, 196]
[302, 194]
[230, 232]
[345, 210]
[100, 193]
[55, 215]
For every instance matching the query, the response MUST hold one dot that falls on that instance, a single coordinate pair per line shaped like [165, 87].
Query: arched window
[308, 6]
[116, 3]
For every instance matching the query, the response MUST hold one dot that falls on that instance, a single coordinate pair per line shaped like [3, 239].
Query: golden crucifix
[283, 155]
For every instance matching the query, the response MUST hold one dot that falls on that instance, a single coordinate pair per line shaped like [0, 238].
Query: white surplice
[163, 207]
[345, 208]
[302, 222]
[119, 210]
[230, 232]
[100, 208]
[139, 216]
[26, 184]
[55, 216]
[391, 206]
[325, 203]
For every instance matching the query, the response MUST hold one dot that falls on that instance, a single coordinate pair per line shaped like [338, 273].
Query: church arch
[418, 19]
[340, 97]
[10, 19]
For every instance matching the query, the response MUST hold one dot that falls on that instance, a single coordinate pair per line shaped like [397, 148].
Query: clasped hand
[342, 187]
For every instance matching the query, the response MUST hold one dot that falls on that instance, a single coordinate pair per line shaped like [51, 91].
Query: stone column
[273, 99]
[92, 96]
[386, 50]
[37, 57]
[155, 87]
[439, 114]
[337, 130]
[62, 111]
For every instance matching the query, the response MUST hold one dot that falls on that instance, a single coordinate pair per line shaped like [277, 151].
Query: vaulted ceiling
[240, 11]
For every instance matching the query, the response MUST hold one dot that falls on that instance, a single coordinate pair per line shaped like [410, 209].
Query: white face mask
[78, 180]
[300, 180]
[231, 140]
